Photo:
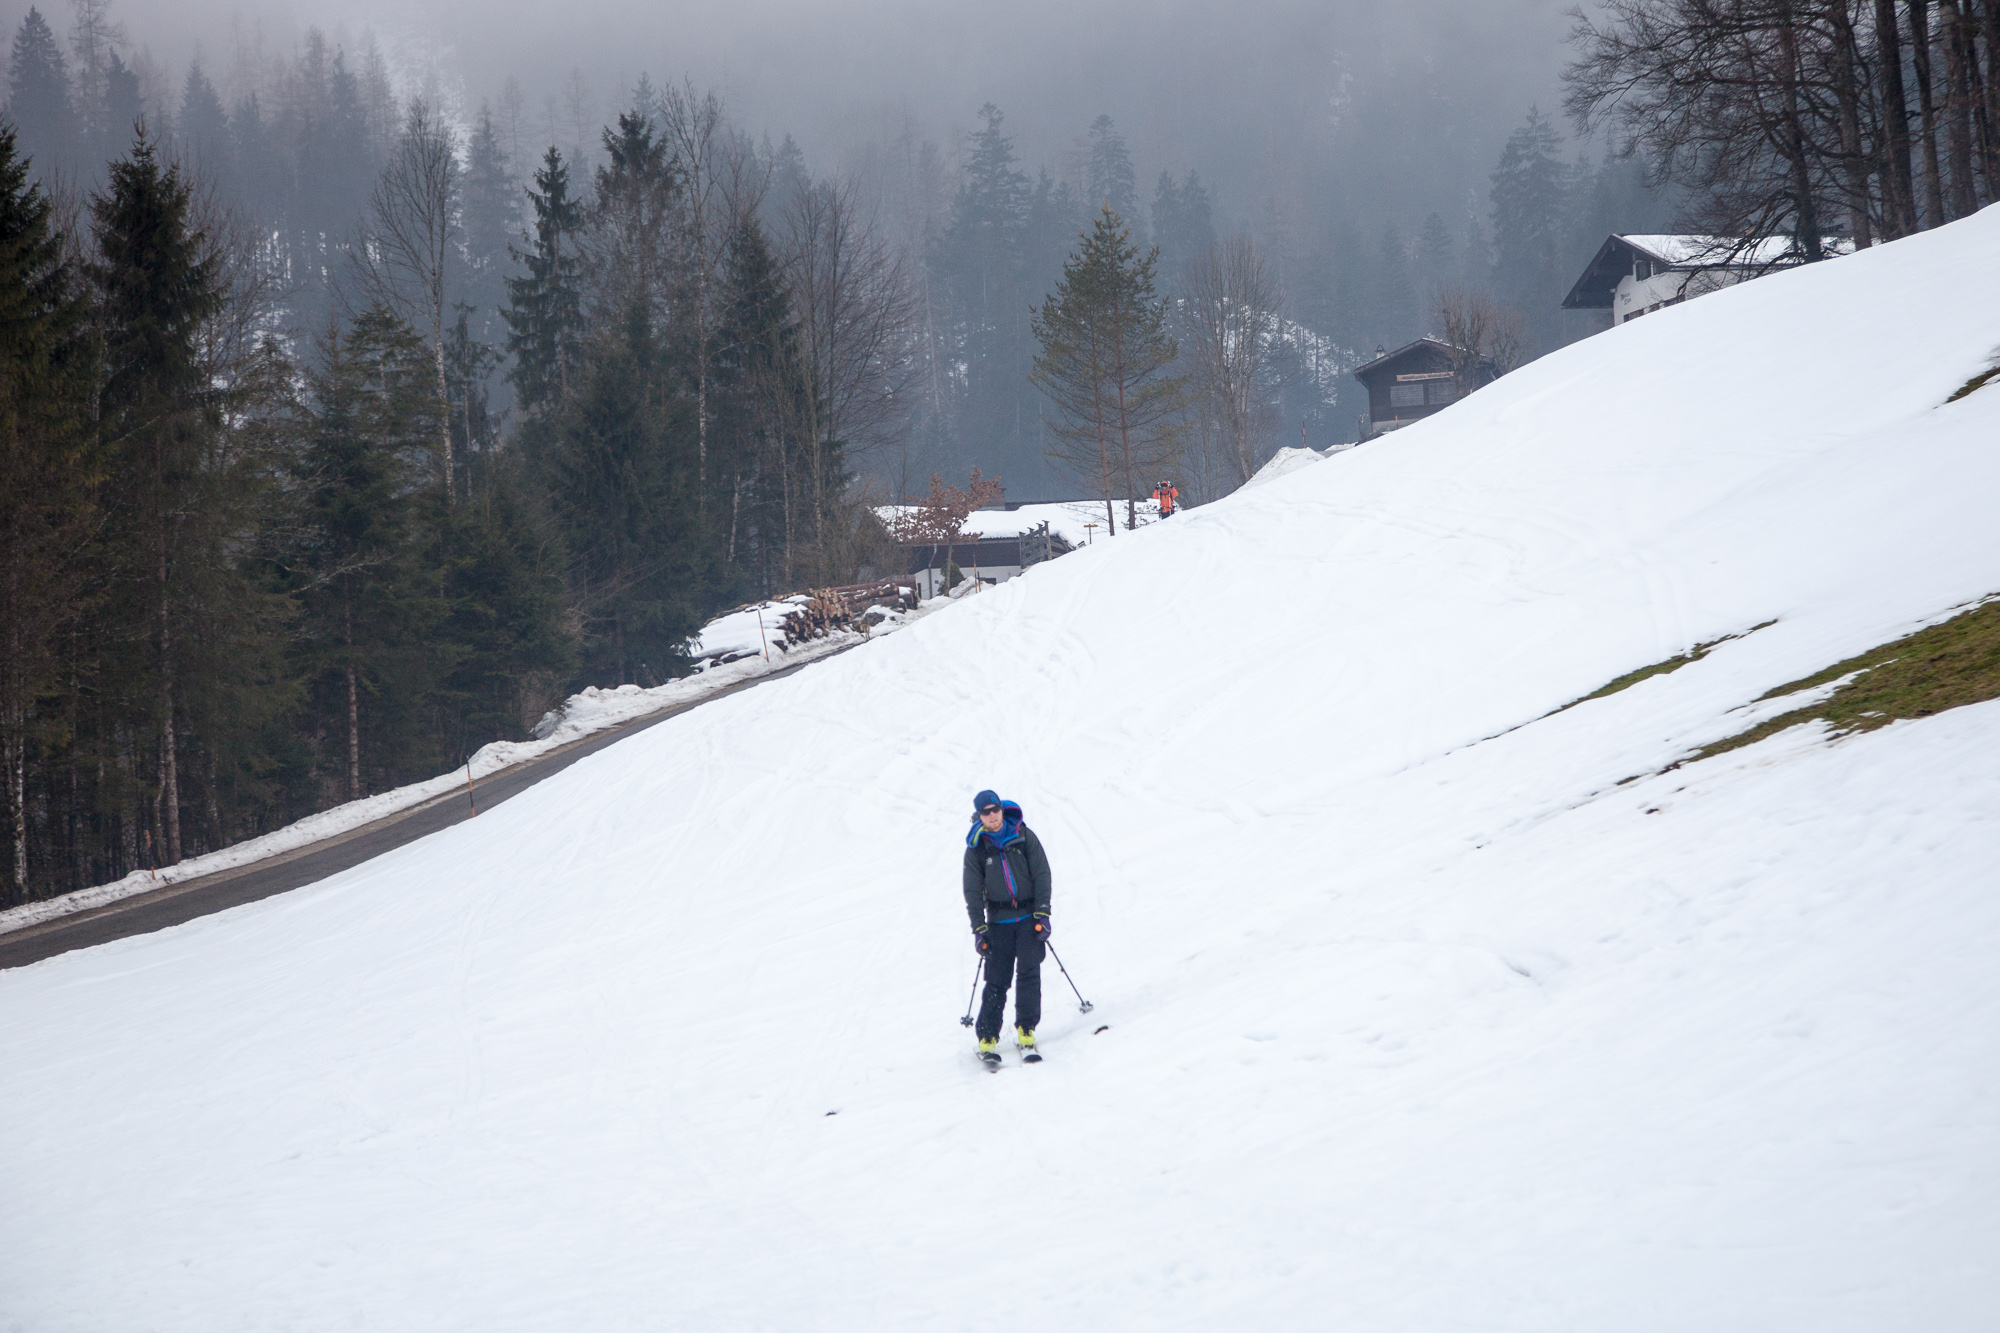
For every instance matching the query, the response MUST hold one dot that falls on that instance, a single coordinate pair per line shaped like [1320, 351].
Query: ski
[1030, 1055]
[991, 1059]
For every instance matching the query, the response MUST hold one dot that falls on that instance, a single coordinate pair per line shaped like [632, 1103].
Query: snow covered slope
[1414, 1017]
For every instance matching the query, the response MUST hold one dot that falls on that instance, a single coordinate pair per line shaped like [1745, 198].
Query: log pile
[820, 615]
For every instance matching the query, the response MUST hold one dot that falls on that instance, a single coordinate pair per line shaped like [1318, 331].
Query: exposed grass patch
[1945, 666]
[1631, 678]
[1976, 383]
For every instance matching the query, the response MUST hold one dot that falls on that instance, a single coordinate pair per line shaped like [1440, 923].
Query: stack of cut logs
[823, 613]
[828, 609]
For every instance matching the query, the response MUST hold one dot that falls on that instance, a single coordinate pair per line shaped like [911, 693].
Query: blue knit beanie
[984, 799]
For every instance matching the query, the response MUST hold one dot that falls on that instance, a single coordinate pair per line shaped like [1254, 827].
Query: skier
[1007, 897]
[1168, 495]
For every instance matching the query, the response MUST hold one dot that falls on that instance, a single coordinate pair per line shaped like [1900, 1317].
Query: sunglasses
[990, 810]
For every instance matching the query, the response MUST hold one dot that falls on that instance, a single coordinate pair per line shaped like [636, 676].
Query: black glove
[1043, 926]
[979, 940]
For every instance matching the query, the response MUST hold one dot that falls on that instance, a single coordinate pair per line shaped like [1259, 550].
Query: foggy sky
[1287, 106]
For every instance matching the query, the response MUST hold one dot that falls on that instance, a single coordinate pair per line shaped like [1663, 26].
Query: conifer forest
[358, 403]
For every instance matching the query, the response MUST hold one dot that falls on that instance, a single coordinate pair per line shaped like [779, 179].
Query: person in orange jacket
[1168, 496]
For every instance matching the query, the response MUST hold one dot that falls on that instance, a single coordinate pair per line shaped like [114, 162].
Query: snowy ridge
[1416, 1016]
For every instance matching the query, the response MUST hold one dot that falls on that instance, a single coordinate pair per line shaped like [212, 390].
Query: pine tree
[39, 100]
[980, 266]
[626, 509]
[1529, 195]
[489, 196]
[1392, 297]
[158, 283]
[123, 103]
[757, 383]
[1435, 261]
[204, 132]
[1109, 181]
[504, 593]
[365, 614]
[48, 476]
[545, 307]
[1056, 217]
[1183, 222]
[1105, 354]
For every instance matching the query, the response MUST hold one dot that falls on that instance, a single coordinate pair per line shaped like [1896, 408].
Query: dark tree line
[252, 572]
[1808, 119]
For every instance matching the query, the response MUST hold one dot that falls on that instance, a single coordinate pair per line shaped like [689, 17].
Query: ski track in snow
[1407, 1029]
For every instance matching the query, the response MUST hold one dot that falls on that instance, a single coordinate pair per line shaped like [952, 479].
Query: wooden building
[1632, 276]
[990, 559]
[1414, 382]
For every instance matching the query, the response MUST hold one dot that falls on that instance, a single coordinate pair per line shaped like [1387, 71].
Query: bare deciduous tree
[1231, 333]
[1482, 333]
[857, 327]
[694, 126]
[406, 252]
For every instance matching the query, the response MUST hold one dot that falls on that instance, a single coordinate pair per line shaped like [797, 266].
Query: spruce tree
[48, 475]
[757, 383]
[1436, 262]
[158, 282]
[204, 132]
[1183, 222]
[1104, 362]
[367, 614]
[489, 195]
[39, 98]
[1108, 178]
[1392, 297]
[979, 262]
[1529, 198]
[545, 306]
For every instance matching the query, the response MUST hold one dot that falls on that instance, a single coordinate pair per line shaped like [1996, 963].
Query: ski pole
[1087, 1006]
[977, 973]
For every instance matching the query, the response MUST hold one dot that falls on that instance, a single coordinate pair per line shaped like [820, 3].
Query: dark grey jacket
[1006, 873]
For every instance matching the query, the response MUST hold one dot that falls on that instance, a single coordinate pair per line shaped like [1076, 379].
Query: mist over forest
[1353, 143]
[375, 376]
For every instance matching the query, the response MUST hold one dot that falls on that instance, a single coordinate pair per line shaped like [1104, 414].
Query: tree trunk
[170, 785]
[1992, 81]
[355, 707]
[17, 802]
[1898, 197]
[444, 407]
[1920, 60]
[1797, 152]
[1957, 106]
[1847, 97]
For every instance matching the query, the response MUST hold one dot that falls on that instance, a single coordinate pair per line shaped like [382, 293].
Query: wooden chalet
[1636, 275]
[1414, 382]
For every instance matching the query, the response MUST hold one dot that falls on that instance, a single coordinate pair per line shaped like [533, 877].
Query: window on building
[1438, 392]
[1643, 269]
[1406, 395]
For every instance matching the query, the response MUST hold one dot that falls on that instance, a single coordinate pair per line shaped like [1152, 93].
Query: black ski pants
[1011, 948]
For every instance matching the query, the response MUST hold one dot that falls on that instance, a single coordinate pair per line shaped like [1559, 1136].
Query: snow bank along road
[172, 904]
[1417, 1015]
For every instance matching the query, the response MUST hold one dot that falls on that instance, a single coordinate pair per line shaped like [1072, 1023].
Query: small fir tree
[1104, 362]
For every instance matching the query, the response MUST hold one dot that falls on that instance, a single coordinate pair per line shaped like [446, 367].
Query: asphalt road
[175, 903]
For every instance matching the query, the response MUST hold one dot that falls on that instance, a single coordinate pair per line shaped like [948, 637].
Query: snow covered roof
[1070, 520]
[1384, 359]
[1613, 261]
[1707, 251]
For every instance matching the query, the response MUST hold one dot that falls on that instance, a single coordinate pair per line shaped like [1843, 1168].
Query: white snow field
[1414, 1018]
